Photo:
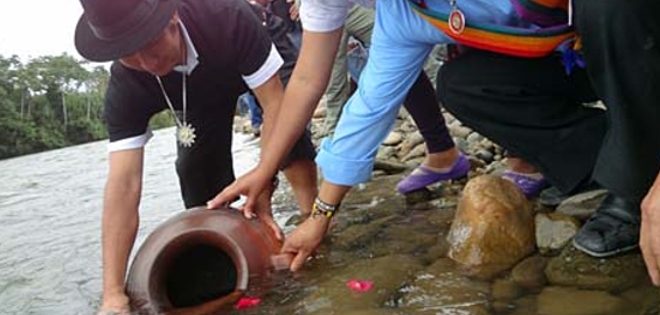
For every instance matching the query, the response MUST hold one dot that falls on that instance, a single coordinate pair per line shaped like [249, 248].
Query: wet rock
[575, 269]
[440, 289]
[529, 273]
[582, 206]
[506, 290]
[367, 193]
[393, 138]
[388, 274]
[420, 195]
[554, 231]
[360, 234]
[493, 228]
[564, 301]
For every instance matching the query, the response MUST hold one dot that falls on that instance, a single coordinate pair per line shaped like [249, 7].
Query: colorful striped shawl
[514, 41]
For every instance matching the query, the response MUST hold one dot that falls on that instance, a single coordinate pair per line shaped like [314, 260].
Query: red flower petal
[359, 285]
[247, 302]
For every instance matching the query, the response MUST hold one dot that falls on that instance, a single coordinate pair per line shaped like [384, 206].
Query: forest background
[51, 102]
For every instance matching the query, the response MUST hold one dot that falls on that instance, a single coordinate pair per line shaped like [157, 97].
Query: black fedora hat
[111, 29]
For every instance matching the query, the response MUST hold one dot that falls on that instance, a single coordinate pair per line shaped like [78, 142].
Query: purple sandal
[423, 176]
[530, 186]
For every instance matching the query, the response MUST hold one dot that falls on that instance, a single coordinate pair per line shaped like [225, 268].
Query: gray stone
[554, 231]
[393, 138]
[582, 206]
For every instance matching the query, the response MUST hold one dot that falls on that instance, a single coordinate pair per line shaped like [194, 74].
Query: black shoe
[613, 229]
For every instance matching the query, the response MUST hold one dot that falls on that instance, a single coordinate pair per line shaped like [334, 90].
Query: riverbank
[407, 245]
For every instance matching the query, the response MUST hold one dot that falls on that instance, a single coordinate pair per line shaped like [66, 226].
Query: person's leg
[359, 24]
[256, 114]
[529, 107]
[443, 160]
[300, 170]
[620, 46]
[401, 42]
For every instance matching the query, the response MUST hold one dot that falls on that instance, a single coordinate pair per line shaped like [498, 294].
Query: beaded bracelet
[323, 208]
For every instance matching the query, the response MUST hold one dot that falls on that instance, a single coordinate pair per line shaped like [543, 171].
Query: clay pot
[200, 261]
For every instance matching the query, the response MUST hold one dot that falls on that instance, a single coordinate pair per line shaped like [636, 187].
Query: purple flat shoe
[530, 186]
[423, 176]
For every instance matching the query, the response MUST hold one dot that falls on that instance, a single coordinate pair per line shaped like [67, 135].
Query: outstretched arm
[301, 97]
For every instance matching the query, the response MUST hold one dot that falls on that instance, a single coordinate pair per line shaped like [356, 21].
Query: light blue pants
[400, 44]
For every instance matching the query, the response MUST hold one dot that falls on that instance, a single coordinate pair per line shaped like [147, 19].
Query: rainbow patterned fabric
[550, 15]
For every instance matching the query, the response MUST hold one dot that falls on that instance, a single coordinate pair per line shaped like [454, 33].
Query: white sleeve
[267, 70]
[130, 143]
[323, 15]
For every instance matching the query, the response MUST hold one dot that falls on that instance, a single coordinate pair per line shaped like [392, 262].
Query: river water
[50, 210]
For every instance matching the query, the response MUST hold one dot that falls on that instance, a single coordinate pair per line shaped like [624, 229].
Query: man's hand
[265, 214]
[251, 185]
[649, 240]
[305, 239]
[294, 13]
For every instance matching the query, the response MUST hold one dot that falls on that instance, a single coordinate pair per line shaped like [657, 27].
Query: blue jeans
[247, 101]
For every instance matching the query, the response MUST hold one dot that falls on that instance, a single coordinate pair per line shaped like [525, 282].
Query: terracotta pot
[200, 261]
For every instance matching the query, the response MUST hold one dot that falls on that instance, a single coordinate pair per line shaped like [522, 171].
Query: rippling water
[50, 210]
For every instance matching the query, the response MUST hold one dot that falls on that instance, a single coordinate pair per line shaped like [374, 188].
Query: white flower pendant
[186, 135]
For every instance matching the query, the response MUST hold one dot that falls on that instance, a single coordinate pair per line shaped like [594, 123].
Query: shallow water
[50, 207]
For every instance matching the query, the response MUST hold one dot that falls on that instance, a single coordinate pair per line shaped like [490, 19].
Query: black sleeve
[128, 104]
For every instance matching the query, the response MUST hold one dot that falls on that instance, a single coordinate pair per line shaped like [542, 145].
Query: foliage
[51, 102]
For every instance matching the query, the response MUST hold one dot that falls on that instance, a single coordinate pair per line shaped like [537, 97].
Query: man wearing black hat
[192, 58]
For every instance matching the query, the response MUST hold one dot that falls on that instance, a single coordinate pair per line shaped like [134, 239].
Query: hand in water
[304, 240]
[114, 304]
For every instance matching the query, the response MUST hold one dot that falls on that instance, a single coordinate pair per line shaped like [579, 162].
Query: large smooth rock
[493, 228]
[575, 269]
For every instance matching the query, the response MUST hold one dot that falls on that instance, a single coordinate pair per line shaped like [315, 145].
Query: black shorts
[206, 167]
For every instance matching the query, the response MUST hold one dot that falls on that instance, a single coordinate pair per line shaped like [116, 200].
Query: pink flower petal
[247, 302]
[359, 285]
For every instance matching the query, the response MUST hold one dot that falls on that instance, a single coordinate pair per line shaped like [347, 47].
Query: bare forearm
[332, 193]
[119, 227]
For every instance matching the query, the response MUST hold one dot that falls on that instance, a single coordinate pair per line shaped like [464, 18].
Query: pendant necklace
[185, 133]
[456, 20]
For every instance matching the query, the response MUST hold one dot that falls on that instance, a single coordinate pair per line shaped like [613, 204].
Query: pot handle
[281, 261]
